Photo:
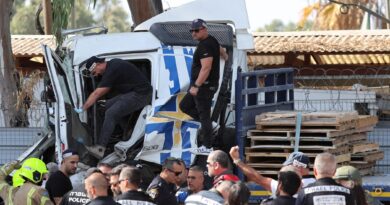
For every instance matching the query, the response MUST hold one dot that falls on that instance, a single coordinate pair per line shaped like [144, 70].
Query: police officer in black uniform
[162, 189]
[77, 196]
[325, 190]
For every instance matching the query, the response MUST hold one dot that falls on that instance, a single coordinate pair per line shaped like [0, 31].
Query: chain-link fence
[26, 125]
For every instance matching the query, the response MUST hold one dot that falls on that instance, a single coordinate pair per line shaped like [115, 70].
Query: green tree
[23, 22]
[84, 16]
[277, 25]
[113, 16]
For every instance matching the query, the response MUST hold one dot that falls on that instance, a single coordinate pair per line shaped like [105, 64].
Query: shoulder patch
[153, 193]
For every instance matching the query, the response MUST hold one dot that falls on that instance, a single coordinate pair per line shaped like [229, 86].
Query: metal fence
[16, 140]
[34, 117]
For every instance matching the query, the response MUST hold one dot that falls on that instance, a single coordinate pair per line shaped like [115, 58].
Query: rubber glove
[79, 110]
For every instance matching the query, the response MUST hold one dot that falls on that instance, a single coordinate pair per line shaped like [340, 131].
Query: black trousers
[199, 108]
[119, 107]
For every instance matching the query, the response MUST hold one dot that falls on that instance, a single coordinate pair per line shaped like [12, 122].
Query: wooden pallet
[364, 147]
[343, 134]
[366, 121]
[288, 149]
[330, 117]
[364, 169]
[305, 133]
[303, 143]
[257, 158]
[367, 157]
[317, 120]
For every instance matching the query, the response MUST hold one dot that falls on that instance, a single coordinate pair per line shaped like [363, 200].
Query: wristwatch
[196, 86]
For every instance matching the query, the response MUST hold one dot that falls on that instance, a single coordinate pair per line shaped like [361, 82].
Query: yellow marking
[177, 133]
[10, 199]
[159, 119]
[30, 195]
[260, 193]
[44, 200]
[381, 194]
[174, 115]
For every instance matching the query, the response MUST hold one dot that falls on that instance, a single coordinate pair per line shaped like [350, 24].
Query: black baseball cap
[198, 23]
[68, 153]
[91, 62]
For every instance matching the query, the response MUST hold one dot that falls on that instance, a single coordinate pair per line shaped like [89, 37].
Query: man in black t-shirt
[289, 183]
[59, 183]
[122, 77]
[204, 79]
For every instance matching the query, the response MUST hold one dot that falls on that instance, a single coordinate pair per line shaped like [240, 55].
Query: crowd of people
[177, 183]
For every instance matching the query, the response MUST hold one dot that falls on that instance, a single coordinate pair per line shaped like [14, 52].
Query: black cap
[198, 23]
[68, 153]
[91, 61]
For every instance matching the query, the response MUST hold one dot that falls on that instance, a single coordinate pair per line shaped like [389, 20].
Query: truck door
[68, 129]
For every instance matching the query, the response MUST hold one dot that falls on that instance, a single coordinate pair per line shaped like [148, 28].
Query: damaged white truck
[162, 49]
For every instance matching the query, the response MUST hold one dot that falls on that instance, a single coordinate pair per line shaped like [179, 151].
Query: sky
[261, 12]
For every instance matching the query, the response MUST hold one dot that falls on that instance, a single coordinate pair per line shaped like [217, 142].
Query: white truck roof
[212, 11]
[87, 46]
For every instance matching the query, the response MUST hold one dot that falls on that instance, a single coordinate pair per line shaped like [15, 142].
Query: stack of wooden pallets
[342, 133]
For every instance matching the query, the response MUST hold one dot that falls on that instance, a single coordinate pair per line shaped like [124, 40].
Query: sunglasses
[176, 173]
[196, 30]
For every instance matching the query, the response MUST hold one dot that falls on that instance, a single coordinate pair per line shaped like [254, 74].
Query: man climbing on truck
[122, 77]
[204, 79]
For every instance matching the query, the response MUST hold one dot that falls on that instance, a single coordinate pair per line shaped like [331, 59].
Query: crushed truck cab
[162, 48]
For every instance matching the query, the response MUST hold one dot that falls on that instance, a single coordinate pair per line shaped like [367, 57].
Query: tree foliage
[23, 19]
[277, 25]
[107, 13]
[113, 16]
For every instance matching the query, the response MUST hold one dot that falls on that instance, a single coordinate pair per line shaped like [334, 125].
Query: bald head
[221, 157]
[96, 185]
[324, 165]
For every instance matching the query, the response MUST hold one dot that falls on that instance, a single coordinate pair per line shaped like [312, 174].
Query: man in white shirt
[297, 159]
